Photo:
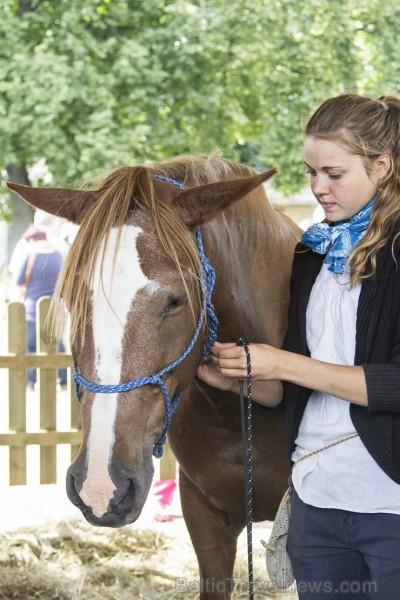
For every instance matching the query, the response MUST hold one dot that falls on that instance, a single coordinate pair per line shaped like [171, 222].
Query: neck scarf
[337, 241]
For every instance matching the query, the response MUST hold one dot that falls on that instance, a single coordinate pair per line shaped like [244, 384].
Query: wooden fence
[47, 361]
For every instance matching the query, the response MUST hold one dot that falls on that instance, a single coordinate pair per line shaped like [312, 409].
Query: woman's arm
[269, 364]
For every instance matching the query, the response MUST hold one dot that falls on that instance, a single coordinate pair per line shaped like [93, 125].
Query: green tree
[92, 84]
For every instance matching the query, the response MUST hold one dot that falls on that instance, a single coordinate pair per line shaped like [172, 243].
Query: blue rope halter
[207, 278]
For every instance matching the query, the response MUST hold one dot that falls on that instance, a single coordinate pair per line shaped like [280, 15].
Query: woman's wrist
[342, 381]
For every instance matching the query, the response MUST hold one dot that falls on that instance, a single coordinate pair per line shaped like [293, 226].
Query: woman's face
[339, 180]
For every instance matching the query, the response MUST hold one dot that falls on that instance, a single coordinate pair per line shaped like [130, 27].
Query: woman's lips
[327, 205]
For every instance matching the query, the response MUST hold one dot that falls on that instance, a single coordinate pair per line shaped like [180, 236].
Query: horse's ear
[201, 204]
[69, 204]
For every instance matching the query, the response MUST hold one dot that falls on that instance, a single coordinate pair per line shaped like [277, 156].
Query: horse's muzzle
[123, 508]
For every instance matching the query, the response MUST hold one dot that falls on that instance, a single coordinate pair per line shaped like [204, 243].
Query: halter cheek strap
[207, 277]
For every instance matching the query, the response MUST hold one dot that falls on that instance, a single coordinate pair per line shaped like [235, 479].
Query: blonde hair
[367, 128]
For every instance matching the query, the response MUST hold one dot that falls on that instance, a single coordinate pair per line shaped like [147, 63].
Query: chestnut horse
[134, 286]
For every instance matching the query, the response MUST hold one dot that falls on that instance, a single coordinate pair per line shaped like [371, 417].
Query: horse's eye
[173, 304]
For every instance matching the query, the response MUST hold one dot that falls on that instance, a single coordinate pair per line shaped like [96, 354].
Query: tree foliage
[89, 85]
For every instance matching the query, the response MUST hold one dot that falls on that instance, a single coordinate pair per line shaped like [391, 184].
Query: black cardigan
[377, 350]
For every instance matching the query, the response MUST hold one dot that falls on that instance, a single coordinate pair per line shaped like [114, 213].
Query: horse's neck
[251, 249]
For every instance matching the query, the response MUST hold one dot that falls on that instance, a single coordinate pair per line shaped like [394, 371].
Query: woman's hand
[208, 373]
[230, 361]
[227, 364]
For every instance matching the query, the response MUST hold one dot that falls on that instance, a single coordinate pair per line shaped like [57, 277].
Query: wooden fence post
[47, 381]
[16, 390]
[167, 464]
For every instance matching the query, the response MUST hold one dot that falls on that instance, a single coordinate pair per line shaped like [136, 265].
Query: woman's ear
[383, 165]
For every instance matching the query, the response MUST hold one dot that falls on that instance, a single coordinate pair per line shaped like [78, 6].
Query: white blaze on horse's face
[115, 285]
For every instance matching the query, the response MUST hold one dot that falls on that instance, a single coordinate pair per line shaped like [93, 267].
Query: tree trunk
[22, 213]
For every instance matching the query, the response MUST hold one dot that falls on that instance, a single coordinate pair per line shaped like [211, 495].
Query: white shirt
[344, 476]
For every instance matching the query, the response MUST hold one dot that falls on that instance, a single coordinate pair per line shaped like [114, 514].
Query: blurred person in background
[35, 266]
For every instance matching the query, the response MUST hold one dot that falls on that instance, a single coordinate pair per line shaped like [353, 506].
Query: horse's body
[149, 323]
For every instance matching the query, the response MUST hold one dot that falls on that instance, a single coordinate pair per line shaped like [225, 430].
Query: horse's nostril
[72, 492]
[125, 503]
[71, 489]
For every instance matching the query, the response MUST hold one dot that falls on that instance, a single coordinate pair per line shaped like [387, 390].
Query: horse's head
[132, 285]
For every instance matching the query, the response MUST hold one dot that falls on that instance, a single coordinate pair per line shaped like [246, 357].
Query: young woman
[340, 363]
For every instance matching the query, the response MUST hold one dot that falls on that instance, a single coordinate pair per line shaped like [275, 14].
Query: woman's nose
[319, 185]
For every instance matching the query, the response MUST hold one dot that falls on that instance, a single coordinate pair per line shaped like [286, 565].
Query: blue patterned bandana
[337, 241]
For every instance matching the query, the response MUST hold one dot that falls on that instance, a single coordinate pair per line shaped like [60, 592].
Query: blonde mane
[125, 190]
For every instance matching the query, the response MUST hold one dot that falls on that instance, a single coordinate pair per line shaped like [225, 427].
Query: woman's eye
[331, 175]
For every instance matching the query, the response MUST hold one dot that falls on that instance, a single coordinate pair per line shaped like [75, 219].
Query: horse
[134, 286]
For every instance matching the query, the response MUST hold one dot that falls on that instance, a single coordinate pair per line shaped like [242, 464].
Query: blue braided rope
[162, 178]
[170, 405]
[207, 283]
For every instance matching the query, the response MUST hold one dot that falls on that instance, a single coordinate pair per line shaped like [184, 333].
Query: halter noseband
[207, 275]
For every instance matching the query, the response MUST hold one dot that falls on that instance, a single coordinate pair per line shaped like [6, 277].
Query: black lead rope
[245, 414]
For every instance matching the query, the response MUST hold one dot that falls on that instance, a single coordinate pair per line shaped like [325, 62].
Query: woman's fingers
[220, 348]
[227, 351]
[209, 373]
[229, 363]
[229, 360]
[238, 373]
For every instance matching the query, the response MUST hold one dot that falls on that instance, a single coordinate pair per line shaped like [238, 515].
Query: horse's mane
[127, 189]
[201, 168]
